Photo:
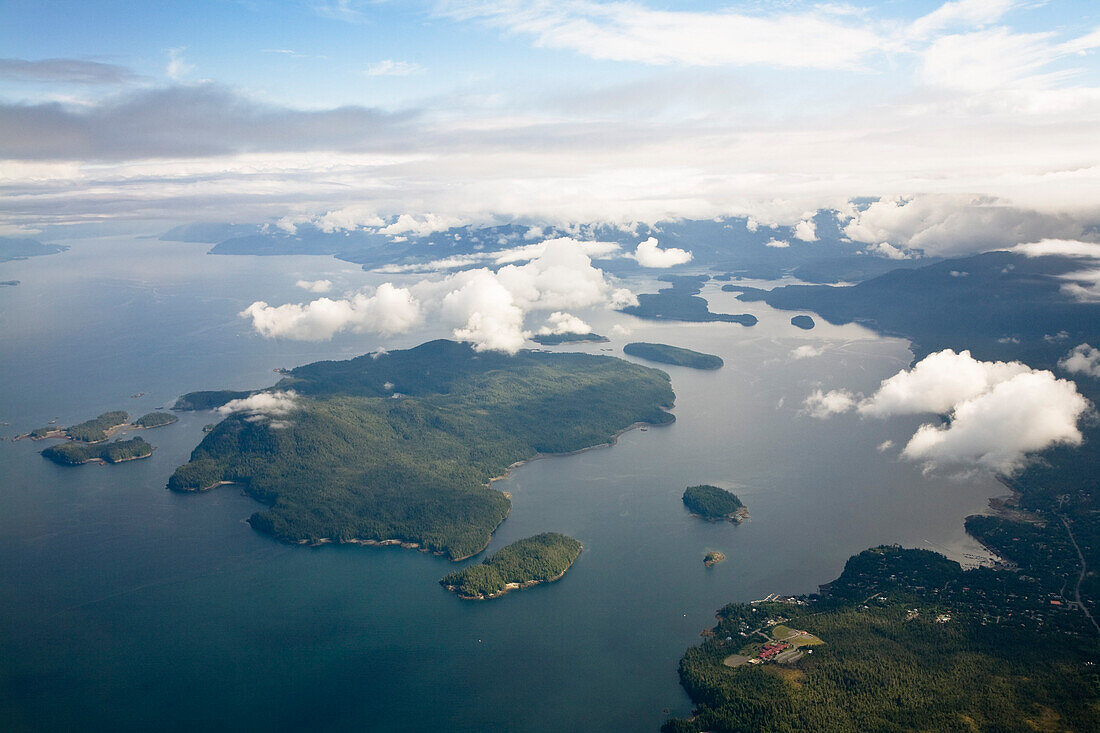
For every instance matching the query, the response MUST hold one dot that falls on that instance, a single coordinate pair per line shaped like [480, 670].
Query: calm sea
[124, 606]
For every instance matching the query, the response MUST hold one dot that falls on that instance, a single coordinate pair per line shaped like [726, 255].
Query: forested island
[554, 339]
[713, 503]
[74, 453]
[665, 354]
[95, 430]
[338, 459]
[543, 558]
[155, 420]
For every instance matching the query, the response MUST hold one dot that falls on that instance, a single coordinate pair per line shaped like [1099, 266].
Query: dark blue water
[126, 607]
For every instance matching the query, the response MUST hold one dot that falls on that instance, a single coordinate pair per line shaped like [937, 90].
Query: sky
[961, 118]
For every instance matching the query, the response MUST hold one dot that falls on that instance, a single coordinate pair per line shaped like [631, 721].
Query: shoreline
[540, 456]
[509, 587]
[409, 545]
[734, 518]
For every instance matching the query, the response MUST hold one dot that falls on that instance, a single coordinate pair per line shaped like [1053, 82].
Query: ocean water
[124, 606]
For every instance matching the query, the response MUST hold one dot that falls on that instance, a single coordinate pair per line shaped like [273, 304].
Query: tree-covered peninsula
[665, 354]
[543, 558]
[713, 503]
[912, 642]
[400, 446]
[74, 454]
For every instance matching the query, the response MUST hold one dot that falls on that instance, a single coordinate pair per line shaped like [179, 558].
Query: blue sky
[576, 109]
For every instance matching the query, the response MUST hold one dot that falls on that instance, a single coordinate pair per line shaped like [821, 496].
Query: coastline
[509, 587]
[540, 456]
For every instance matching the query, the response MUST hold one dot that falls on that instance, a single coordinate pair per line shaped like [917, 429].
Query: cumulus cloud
[937, 383]
[387, 311]
[777, 243]
[1083, 359]
[315, 286]
[997, 429]
[485, 307]
[266, 404]
[889, 251]
[806, 230]
[649, 254]
[806, 351]
[560, 322]
[822, 404]
[997, 412]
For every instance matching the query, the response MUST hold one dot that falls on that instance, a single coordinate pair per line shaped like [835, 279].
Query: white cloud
[389, 67]
[629, 31]
[777, 243]
[822, 404]
[889, 251]
[488, 310]
[969, 13]
[560, 322]
[937, 383]
[997, 429]
[997, 412]
[177, 67]
[885, 446]
[1085, 286]
[387, 311]
[1083, 359]
[997, 58]
[806, 351]
[1059, 248]
[806, 230]
[952, 225]
[649, 254]
[266, 404]
[315, 286]
[485, 307]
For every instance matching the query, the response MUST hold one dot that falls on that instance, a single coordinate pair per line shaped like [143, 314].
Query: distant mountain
[1001, 305]
[209, 232]
[729, 245]
[12, 248]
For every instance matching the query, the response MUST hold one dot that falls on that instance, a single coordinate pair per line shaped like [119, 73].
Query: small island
[75, 454]
[714, 504]
[803, 322]
[155, 420]
[712, 558]
[89, 431]
[665, 354]
[543, 558]
[554, 339]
